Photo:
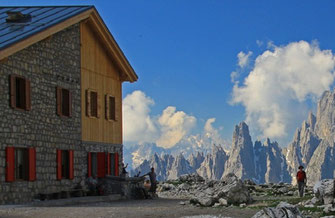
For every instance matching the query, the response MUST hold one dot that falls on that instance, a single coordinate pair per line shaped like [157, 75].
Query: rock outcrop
[313, 143]
[262, 162]
[212, 166]
[241, 157]
[324, 191]
[196, 160]
[270, 163]
[283, 209]
[179, 167]
[230, 190]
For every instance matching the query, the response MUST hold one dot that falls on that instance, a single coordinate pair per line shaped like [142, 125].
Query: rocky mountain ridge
[312, 146]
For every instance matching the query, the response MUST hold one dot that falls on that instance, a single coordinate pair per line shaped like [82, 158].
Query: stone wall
[47, 64]
[52, 62]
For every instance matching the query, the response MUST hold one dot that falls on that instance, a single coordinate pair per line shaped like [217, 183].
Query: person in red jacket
[301, 180]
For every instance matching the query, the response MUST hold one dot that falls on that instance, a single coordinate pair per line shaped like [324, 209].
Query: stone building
[61, 75]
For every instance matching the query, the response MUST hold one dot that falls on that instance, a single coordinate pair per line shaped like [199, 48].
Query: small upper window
[64, 102]
[92, 103]
[20, 93]
[110, 107]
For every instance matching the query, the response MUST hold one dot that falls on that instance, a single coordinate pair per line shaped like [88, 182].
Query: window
[92, 103]
[20, 93]
[64, 102]
[110, 107]
[65, 165]
[114, 164]
[65, 162]
[20, 164]
[98, 164]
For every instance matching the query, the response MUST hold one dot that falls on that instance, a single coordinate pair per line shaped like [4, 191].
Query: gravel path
[122, 208]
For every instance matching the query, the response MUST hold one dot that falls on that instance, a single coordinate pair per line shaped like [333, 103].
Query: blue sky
[185, 51]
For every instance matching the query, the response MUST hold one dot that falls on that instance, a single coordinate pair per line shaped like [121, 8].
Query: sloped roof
[46, 20]
[41, 19]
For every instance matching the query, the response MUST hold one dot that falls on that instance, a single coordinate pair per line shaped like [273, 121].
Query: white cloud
[166, 129]
[174, 126]
[275, 91]
[214, 133]
[233, 76]
[259, 43]
[137, 123]
[243, 59]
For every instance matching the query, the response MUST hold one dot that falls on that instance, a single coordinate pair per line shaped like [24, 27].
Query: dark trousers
[153, 187]
[301, 186]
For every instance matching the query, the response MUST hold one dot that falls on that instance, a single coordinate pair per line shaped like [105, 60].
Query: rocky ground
[271, 200]
[160, 207]
[192, 196]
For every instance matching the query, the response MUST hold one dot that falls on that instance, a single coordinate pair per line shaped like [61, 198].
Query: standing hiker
[153, 181]
[301, 180]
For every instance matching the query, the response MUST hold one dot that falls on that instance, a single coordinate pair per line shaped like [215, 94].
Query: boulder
[249, 182]
[184, 186]
[203, 200]
[223, 202]
[328, 208]
[191, 178]
[283, 209]
[283, 190]
[165, 187]
[324, 191]
[234, 190]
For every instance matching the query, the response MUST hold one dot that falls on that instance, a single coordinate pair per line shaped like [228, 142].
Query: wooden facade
[100, 74]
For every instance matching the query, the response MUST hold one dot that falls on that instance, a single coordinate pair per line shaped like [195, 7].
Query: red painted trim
[116, 164]
[108, 163]
[32, 164]
[10, 164]
[59, 164]
[89, 164]
[101, 164]
[71, 161]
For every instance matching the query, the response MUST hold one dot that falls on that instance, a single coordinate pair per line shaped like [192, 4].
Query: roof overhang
[91, 15]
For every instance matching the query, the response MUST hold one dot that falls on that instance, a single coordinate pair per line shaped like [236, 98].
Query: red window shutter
[112, 108]
[106, 107]
[28, 95]
[117, 109]
[59, 164]
[59, 100]
[70, 104]
[101, 164]
[71, 161]
[10, 164]
[116, 164]
[12, 91]
[108, 163]
[98, 106]
[32, 164]
[88, 103]
[89, 165]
